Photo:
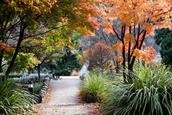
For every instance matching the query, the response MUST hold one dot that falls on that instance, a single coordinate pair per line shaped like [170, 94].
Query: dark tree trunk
[22, 28]
[1, 58]
[39, 71]
[123, 65]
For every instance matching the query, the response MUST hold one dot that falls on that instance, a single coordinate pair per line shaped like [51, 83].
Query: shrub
[13, 99]
[37, 87]
[92, 88]
[149, 94]
[99, 55]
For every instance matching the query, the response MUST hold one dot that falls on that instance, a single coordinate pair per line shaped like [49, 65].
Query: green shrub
[37, 87]
[92, 88]
[113, 91]
[149, 94]
[13, 99]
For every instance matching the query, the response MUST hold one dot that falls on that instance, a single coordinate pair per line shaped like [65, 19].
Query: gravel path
[62, 99]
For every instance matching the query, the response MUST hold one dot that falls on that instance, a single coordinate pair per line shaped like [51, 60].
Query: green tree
[163, 38]
[64, 62]
[22, 19]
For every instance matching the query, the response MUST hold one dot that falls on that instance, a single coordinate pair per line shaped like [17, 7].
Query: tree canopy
[131, 22]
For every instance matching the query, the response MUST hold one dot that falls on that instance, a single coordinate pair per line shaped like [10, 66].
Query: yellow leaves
[36, 6]
[85, 31]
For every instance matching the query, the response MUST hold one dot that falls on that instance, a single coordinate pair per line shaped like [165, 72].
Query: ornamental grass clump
[14, 99]
[92, 88]
[150, 93]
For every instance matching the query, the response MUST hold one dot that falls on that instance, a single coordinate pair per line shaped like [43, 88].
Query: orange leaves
[99, 55]
[89, 9]
[6, 47]
[129, 37]
[147, 54]
[107, 27]
[148, 27]
[134, 12]
[94, 22]
[120, 59]
[118, 46]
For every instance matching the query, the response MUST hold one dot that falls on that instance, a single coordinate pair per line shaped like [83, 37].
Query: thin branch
[117, 34]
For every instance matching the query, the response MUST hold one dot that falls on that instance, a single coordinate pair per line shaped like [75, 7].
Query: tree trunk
[123, 64]
[112, 73]
[22, 28]
[39, 72]
[130, 73]
[1, 59]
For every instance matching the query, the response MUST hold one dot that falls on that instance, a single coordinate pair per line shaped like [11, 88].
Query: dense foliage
[92, 88]
[99, 55]
[131, 22]
[149, 94]
[13, 99]
[163, 38]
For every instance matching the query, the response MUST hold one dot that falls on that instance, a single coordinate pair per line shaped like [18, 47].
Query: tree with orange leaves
[131, 21]
[99, 55]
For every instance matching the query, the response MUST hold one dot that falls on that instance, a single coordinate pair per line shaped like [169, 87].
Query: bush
[13, 99]
[99, 55]
[111, 95]
[92, 88]
[37, 87]
[149, 94]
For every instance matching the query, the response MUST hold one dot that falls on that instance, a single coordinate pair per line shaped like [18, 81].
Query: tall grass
[149, 94]
[92, 88]
[13, 99]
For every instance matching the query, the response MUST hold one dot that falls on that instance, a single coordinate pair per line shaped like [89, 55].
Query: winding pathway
[62, 99]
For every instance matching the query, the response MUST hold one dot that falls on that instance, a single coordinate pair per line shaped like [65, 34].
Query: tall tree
[22, 19]
[131, 21]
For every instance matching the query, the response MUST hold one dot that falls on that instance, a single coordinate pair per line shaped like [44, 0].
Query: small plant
[37, 87]
[13, 99]
[92, 88]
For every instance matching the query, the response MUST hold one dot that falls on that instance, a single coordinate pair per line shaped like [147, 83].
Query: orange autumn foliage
[6, 47]
[136, 18]
[120, 59]
[99, 55]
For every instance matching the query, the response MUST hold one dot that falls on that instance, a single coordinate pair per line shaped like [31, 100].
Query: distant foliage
[163, 38]
[99, 55]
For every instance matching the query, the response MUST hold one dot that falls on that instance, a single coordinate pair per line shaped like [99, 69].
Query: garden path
[62, 99]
